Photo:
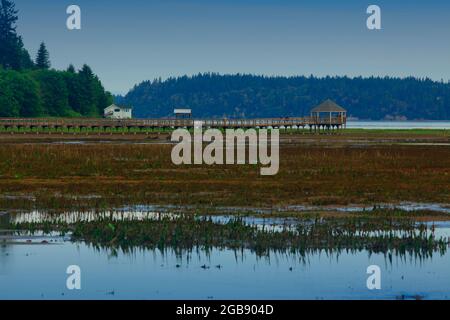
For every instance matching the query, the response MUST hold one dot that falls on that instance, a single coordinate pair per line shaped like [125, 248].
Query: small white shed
[183, 113]
[118, 112]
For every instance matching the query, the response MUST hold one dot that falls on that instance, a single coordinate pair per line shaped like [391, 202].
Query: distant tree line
[31, 89]
[240, 95]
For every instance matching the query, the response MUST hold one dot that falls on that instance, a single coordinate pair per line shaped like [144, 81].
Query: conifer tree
[43, 57]
[12, 53]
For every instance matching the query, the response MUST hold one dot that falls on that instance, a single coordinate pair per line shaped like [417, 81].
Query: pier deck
[43, 124]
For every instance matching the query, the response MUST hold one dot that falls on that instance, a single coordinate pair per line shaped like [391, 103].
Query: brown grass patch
[140, 174]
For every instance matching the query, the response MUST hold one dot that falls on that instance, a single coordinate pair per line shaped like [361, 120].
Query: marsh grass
[107, 175]
[392, 237]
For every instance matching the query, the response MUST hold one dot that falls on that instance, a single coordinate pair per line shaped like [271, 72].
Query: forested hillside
[214, 95]
[32, 89]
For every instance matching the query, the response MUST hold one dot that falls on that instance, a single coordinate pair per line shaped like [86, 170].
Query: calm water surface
[38, 271]
[398, 124]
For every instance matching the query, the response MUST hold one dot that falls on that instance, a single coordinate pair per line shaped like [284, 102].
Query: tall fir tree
[43, 57]
[12, 53]
[71, 69]
[29, 90]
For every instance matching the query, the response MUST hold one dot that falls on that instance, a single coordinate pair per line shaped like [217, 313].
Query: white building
[117, 112]
[183, 113]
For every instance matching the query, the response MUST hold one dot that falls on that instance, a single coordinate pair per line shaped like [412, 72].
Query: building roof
[118, 106]
[182, 111]
[328, 106]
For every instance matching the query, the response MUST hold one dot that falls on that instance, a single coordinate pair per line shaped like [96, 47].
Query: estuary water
[399, 125]
[39, 272]
[34, 266]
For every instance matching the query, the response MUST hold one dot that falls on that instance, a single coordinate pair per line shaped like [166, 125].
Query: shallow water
[144, 212]
[39, 272]
[398, 124]
[406, 206]
[33, 266]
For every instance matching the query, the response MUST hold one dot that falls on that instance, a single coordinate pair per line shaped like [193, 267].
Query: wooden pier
[314, 124]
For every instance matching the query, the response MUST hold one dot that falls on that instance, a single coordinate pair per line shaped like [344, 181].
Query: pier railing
[170, 123]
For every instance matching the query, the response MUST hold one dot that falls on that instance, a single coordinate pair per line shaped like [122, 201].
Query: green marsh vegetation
[388, 233]
[336, 134]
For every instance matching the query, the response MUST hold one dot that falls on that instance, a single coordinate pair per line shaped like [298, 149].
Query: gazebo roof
[328, 106]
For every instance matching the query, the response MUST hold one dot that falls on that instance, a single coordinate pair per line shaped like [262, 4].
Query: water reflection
[38, 272]
[126, 231]
[161, 255]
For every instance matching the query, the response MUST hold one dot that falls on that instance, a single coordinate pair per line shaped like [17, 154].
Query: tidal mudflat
[348, 169]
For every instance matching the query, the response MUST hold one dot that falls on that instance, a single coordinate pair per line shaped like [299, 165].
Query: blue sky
[126, 42]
